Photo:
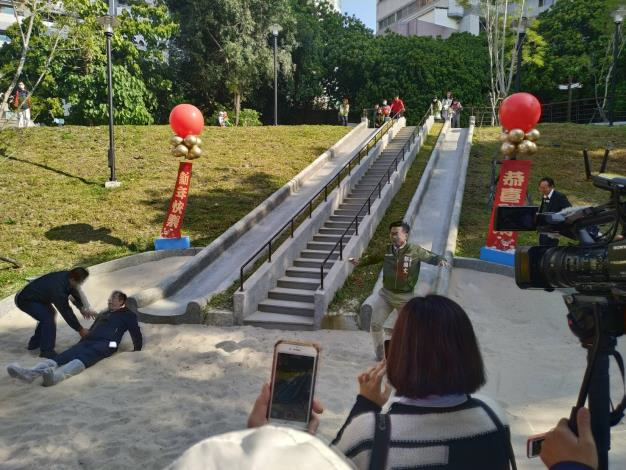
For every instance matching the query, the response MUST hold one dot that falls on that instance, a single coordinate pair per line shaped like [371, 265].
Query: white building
[438, 17]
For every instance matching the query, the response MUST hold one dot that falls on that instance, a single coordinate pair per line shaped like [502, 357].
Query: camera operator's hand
[562, 445]
[370, 383]
[444, 263]
[258, 414]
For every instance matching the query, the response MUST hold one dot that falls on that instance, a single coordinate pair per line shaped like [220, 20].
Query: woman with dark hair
[434, 364]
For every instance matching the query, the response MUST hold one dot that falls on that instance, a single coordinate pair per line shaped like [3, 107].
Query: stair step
[321, 246]
[299, 283]
[279, 321]
[319, 255]
[289, 307]
[333, 225]
[297, 295]
[302, 272]
[312, 263]
[330, 238]
[345, 218]
[351, 213]
[336, 231]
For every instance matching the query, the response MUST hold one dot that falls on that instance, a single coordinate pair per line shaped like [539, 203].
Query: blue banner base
[497, 256]
[181, 243]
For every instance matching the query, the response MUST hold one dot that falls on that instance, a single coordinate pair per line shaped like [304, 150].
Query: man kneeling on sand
[101, 342]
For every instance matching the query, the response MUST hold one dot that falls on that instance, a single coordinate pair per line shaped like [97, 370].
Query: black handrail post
[310, 210]
[292, 228]
[269, 258]
[369, 206]
[325, 193]
[241, 278]
[322, 276]
[340, 250]
[356, 227]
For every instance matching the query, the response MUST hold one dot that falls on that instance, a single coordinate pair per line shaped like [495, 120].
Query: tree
[223, 47]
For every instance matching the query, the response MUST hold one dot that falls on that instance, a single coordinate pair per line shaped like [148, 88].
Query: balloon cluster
[518, 142]
[518, 115]
[189, 147]
[187, 122]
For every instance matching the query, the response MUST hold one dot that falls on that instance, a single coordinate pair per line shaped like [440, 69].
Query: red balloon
[186, 119]
[520, 111]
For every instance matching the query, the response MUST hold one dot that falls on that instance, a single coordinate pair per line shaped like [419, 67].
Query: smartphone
[294, 372]
[386, 343]
[533, 445]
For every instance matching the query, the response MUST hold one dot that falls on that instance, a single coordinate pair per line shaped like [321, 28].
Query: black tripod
[596, 383]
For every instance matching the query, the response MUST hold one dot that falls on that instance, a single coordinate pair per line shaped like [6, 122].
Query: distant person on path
[100, 342]
[455, 110]
[222, 119]
[437, 108]
[21, 102]
[344, 111]
[445, 106]
[397, 107]
[38, 298]
[551, 201]
[401, 268]
[377, 115]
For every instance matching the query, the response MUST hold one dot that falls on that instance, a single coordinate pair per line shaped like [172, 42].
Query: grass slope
[361, 281]
[55, 212]
[559, 156]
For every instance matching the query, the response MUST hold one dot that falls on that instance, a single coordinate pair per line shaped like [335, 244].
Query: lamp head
[275, 29]
[521, 26]
[618, 15]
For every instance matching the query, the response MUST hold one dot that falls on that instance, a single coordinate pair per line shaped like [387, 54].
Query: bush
[247, 117]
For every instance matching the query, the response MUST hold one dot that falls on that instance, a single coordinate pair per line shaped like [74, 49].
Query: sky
[365, 10]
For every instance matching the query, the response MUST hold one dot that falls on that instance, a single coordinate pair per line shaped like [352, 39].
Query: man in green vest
[401, 268]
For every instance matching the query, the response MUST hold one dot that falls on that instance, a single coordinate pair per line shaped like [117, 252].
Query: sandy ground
[145, 408]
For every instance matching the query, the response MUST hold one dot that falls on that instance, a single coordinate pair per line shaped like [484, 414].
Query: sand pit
[144, 409]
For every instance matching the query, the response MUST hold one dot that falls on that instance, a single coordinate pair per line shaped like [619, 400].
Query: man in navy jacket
[39, 298]
[101, 341]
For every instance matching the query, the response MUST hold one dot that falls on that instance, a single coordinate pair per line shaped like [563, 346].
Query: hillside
[55, 212]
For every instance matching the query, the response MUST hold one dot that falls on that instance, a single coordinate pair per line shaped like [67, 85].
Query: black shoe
[32, 346]
[48, 354]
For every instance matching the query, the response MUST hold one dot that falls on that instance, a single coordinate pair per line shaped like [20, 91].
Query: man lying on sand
[100, 342]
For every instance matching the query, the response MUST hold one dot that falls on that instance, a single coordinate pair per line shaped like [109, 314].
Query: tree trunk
[237, 107]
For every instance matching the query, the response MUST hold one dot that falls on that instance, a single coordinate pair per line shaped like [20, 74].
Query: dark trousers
[86, 351]
[46, 331]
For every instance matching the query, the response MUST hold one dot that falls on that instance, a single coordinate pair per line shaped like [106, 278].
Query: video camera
[596, 269]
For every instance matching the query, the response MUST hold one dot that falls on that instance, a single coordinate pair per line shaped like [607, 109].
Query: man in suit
[551, 201]
[100, 342]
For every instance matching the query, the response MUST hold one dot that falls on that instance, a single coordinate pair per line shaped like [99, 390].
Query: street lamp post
[109, 22]
[521, 33]
[618, 18]
[275, 29]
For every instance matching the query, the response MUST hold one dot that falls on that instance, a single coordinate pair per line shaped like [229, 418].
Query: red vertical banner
[178, 204]
[511, 191]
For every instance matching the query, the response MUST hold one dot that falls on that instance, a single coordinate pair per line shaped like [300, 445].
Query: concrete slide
[434, 213]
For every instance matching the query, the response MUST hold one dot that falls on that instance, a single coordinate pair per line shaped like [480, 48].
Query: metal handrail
[309, 205]
[378, 188]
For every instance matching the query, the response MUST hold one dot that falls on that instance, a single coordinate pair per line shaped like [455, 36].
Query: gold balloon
[508, 149]
[198, 141]
[516, 136]
[525, 147]
[191, 140]
[182, 150]
[194, 152]
[175, 152]
[504, 137]
[533, 135]
[176, 140]
[532, 147]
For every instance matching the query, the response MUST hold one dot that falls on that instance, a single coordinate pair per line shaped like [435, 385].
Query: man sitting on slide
[101, 341]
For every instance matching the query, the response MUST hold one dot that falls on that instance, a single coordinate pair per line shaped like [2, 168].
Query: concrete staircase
[290, 305]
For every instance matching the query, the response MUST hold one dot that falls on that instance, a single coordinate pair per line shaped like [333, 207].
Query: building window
[6, 10]
[541, 3]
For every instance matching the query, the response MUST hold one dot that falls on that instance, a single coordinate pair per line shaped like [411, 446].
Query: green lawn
[361, 281]
[559, 156]
[55, 212]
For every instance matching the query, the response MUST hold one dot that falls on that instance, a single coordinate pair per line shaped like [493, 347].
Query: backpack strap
[502, 429]
[380, 447]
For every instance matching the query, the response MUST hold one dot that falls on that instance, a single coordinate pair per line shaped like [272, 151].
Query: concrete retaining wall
[266, 277]
[206, 256]
[340, 271]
